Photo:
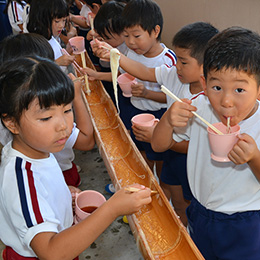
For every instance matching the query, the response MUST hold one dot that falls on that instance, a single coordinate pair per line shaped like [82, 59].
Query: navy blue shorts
[144, 146]
[174, 172]
[224, 237]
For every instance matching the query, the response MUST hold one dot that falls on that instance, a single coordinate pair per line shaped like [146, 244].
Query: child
[35, 210]
[48, 18]
[14, 10]
[82, 137]
[143, 22]
[224, 214]
[184, 80]
[107, 24]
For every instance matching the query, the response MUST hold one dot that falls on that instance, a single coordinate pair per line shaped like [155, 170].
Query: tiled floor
[117, 242]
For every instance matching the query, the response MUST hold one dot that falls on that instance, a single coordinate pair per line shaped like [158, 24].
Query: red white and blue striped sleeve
[27, 193]
[171, 58]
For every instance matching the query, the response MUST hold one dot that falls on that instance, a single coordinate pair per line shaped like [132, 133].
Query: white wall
[220, 13]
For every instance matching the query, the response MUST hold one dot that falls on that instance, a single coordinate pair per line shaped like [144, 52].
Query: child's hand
[244, 150]
[143, 133]
[125, 203]
[139, 90]
[92, 74]
[91, 35]
[99, 51]
[77, 85]
[73, 191]
[179, 113]
[65, 60]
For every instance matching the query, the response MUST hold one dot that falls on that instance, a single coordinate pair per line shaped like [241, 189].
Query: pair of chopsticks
[75, 64]
[79, 78]
[133, 189]
[170, 94]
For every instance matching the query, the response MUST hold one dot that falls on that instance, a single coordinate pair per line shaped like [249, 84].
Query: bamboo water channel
[158, 232]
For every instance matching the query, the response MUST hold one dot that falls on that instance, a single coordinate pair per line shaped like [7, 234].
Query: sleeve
[16, 11]
[165, 75]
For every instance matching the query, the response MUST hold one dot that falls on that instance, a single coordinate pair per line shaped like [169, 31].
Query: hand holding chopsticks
[134, 189]
[170, 94]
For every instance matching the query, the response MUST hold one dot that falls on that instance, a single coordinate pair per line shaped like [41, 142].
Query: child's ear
[96, 8]
[157, 30]
[258, 98]
[203, 83]
[11, 125]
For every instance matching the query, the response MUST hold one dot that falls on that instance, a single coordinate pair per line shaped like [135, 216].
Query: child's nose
[62, 125]
[227, 101]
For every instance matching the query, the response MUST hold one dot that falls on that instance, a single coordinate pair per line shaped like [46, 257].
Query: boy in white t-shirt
[223, 218]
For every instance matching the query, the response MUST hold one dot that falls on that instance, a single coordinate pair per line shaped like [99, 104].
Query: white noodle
[114, 65]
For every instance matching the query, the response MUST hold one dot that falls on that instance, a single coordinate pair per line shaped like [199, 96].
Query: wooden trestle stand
[158, 232]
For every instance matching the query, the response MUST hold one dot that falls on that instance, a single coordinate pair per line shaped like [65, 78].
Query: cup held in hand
[125, 82]
[87, 202]
[221, 145]
[77, 44]
[145, 119]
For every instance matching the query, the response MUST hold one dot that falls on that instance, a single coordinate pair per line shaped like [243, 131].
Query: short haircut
[25, 79]
[109, 19]
[195, 37]
[145, 13]
[91, 2]
[42, 13]
[25, 44]
[234, 48]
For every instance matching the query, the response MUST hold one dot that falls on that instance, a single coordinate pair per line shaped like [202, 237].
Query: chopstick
[75, 64]
[79, 78]
[170, 94]
[133, 189]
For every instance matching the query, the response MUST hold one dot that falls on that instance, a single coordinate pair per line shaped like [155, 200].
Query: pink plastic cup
[221, 145]
[87, 202]
[147, 120]
[125, 82]
[77, 44]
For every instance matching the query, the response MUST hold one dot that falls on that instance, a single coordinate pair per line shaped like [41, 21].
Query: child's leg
[220, 236]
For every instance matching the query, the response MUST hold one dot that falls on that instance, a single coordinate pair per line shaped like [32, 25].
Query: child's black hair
[234, 48]
[109, 19]
[91, 2]
[25, 44]
[195, 37]
[145, 13]
[25, 79]
[42, 13]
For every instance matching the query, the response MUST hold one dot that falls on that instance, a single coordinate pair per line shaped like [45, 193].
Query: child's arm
[71, 242]
[97, 75]
[134, 68]
[139, 90]
[85, 140]
[246, 151]
[176, 116]
[79, 20]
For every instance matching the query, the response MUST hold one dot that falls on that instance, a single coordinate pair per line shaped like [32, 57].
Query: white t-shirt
[25, 17]
[168, 77]
[223, 187]
[34, 198]
[85, 11]
[15, 12]
[166, 57]
[66, 156]
[57, 49]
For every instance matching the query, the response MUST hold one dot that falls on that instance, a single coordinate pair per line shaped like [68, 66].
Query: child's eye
[68, 110]
[125, 35]
[184, 63]
[216, 88]
[45, 118]
[137, 36]
[239, 90]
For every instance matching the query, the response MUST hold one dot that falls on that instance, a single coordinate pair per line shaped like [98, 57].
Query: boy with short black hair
[224, 214]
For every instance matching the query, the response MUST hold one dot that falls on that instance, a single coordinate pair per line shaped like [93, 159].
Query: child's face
[43, 131]
[188, 69]
[114, 39]
[232, 94]
[141, 41]
[57, 26]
